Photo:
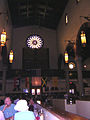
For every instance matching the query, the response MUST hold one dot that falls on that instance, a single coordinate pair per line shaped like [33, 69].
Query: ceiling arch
[46, 13]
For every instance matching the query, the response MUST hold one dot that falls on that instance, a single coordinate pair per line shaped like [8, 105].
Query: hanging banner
[44, 81]
[36, 81]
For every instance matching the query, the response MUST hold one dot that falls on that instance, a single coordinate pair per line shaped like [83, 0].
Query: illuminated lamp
[11, 56]
[71, 65]
[70, 91]
[66, 57]
[66, 18]
[38, 91]
[33, 91]
[38, 101]
[25, 90]
[3, 38]
[83, 38]
[85, 66]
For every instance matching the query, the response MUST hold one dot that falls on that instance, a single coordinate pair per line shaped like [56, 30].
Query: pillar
[67, 79]
[80, 78]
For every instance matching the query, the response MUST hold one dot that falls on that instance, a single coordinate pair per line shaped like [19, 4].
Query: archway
[84, 52]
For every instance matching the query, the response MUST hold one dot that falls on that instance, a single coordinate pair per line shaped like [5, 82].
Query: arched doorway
[84, 52]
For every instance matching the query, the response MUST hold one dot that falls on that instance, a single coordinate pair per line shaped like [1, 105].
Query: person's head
[31, 108]
[31, 102]
[21, 106]
[7, 101]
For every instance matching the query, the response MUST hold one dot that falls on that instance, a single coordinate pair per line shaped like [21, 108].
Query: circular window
[34, 41]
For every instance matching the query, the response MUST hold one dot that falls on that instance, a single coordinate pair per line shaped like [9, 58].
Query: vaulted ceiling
[45, 13]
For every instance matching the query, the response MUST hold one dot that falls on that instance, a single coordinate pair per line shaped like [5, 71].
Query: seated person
[31, 105]
[31, 102]
[23, 113]
[8, 109]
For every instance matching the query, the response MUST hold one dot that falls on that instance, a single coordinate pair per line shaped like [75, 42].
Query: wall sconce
[3, 38]
[11, 56]
[66, 57]
[66, 18]
[83, 38]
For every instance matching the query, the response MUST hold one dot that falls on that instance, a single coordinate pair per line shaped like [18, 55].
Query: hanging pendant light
[83, 38]
[3, 38]
[11, 56]
[66, 57]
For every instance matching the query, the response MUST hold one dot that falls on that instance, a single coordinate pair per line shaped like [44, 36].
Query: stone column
[67, 79]
[80, 78]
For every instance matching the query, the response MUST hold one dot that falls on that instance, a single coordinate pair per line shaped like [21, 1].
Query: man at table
[8, 109]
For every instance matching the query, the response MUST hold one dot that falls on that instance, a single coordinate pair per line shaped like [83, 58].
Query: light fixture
[85, 66]
[3, 34]
[33, 91]
[11, 56]
[66, 57]
[38, 91]
[71, 65]
[83, 38]
[3, 38]
[38, 101]
[25, 90]
[66, 18]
